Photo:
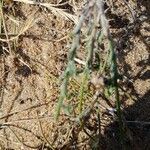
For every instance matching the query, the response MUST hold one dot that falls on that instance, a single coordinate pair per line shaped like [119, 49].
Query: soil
[32, 64]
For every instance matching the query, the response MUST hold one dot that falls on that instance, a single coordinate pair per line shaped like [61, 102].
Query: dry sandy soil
[32, 63]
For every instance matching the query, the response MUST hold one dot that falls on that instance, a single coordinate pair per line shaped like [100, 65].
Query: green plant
[96, 31]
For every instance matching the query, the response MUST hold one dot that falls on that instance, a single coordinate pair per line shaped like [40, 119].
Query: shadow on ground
[137, 115]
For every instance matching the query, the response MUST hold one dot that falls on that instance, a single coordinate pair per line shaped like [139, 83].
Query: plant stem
[114, 78]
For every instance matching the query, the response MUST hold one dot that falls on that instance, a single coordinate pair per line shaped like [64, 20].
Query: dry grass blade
[29, 108]
[16, 22]
[12, 125]
[28, 24]
[54, 9]
[28, 119]
[45, 138]
[4, 26]
[26, 145]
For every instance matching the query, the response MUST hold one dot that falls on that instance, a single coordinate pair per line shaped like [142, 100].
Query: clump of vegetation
[93, 29]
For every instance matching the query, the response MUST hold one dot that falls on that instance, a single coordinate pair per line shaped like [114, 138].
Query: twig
[131, 10]
[12, 104]
[28, 23]
[45, 138]
[5, 30]
[88, 134]
[54, 8]
[29, 108]
[29, 146]
[28, 119]
[99, 127]
[4, 125]
[138, 122]
[79, 61]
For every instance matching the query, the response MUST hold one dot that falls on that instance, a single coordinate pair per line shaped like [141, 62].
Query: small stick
[45, 138]
[29, 146]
